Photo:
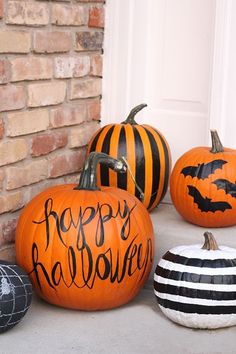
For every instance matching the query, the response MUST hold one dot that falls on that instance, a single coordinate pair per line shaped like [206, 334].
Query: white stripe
[195, 301]
[196, 270]
[200, 286]
[196, 251]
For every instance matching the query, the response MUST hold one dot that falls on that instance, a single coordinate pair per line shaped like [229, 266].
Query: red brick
[81, 135]
[8, 253]
[45, 143]
[27, 13]
[27, 122]
[66, 163]
[91, 0]
[8, 231]
[12, 151]
[68, 115]
[69, 15]
[45, 94]
[96, 65]
[12, 97]
[2, 176]
[87, 40]
[31, 172]
[1, 8]
[82, 66]
[31, 68]
[5, 71]
[1, 128]
[52, 41]
[85, 88]
[15, 41]
[96, 17]
[11, 202]
[94, 110]
[67, 67]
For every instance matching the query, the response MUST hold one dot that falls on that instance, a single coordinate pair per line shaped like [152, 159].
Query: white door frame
[220, 74]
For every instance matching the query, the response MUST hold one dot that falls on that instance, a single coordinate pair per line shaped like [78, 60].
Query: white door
[178, 56]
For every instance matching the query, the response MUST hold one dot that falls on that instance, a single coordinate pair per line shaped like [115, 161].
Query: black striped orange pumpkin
[147, 154]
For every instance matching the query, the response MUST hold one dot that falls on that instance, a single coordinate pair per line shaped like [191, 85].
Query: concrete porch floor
[136, 328]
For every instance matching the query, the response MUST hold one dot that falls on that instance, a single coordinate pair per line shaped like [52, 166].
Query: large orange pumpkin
[202, 185]
[146, 152]
[85, 247]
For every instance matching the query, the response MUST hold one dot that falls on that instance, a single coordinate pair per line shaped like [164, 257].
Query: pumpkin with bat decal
[203, 185]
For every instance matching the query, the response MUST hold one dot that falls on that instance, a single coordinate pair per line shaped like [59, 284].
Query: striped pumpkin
[196, 286]
[146, 152]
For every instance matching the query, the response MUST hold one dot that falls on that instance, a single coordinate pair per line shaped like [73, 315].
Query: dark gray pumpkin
[15, 295]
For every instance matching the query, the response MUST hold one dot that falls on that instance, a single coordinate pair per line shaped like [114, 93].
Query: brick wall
[50, 87]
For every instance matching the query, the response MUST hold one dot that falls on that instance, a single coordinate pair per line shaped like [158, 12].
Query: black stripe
[200, 309]
[95, 140]
[194, 293]
[104, 170]
[197, 262]
[155, 167]
[196, 278]
[140, 163]
[122, 151]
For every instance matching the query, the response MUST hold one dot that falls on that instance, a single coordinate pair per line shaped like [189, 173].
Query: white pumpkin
[195, 285]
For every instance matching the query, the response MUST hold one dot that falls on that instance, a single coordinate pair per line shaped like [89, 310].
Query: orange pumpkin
[147, 153]
[86, 247]
[202, 185]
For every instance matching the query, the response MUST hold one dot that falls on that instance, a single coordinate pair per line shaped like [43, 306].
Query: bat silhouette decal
[227, 186]
[202, 171]
[205, 204]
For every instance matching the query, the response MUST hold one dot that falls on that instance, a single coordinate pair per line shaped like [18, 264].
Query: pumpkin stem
[216, 143]
[133, 112]
[210, 242]
[88, 177]
[133, 178]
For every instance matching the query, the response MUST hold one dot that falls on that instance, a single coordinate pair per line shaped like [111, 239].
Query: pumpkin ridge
[104, 170]
[157, 175]
[147, 165]
[140, 162]
[113, 151]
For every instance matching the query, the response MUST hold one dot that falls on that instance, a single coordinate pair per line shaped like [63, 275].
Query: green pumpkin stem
[210, 242]
[216, 143]
[133, 112]
[88, 177]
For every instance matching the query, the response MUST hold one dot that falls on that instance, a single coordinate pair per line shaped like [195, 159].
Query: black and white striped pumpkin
[195, 285]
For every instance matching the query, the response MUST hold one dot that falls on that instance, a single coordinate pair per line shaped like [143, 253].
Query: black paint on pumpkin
[199, 309]
[105, 148]
[227, 186]
[194, 293]
[140, 163]
[196, 278]
[155, 167]
[206, 204]
[122, 151]
[203, 170]
[198, 262]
